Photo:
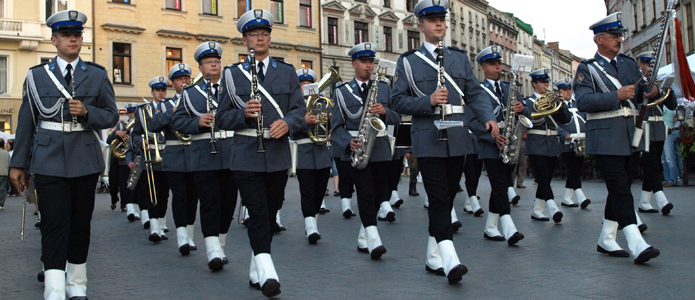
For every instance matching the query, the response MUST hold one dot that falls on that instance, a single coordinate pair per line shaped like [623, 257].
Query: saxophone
[512, 131]
[370, 125]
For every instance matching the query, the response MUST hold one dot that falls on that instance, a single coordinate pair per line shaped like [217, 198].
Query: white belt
[220, 135]
[449, 109]
[246, 132]
[64, 126]
[175, 143]
[655, 119]
[578, 135]
[161, 147]
[622, 112]
[546, 132]
[354, 133]
[303, 141]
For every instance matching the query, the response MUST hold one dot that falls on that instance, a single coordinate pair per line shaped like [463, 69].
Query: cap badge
[211, 45]
[258, 13]
[367, 46]
[73, 15]
[435, 2]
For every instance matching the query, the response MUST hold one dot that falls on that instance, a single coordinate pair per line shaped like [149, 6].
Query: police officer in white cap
[605, 89]
[127, 195]
[209, 156]
[441, 161]
[260, 158]
[543, 148]
[571, 134]
[490, 61]
[57, 134]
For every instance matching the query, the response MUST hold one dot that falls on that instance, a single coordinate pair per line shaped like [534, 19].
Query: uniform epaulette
[36, 66]
[409, 52]
[625, 56]
[189, 86]
[95, 64]
[342, 84]
[233, 65]
[589, 61]
[289, 64]
[457, 49]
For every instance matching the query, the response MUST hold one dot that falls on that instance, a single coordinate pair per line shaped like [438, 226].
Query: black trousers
[574, 170]
[620, 204]
[66, 214]
[113, 181]
[262, 194]
[651, 167]
[500, 177]
[184, 198]
[127, 196]
[370, 188]
[414, 170]
[312, 187]
[142, 194]
[344, 183]
[472, 168]
[543, 167]
[395, 171]
[218, 194]
[441, 176]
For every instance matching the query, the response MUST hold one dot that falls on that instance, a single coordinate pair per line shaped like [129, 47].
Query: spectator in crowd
[4, 172]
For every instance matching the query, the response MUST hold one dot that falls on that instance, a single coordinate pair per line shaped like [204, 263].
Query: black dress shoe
[516, 199]
[277, 228]
[225, 260]
[336, 194]
[314, 237]
[467, 210]
[78, 298]
[478, 212]
[166, 229]
[646, 255]
[413, 190]
[123, 209]
[497, 238]
[460, 189]
[585, 203]
[616, 253]
[245, 222]
[185, 249]
[155, 238]
[648, 211]
[131, 218]
[362, 250]
[324, 210]
[193, 248]
[113, 206]
[515, 238]
[543, 219]
[438, 272]
[137, 218]
[327, 193]
[40, 277]
[37, 224]
[216, 264]
[378, 252]
[146, 225]
[456, 274]
[455, 226]
[642, 228]
[666, 209]
[348, 214]
[569, 205]
[271, 288]
[390, 216]
[36, 213]
[164, 237]
[557, 217]
[255, 285]
[398, 203]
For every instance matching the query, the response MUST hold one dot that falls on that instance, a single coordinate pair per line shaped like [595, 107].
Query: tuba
[370, 125]
[546, 105]
[320, 106]
[120, 146]
[512, 131]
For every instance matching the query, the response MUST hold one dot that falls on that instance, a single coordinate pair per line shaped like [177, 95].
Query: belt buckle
[448, 109]
[222, 134]
[547, 132]
[625, 112]
[67, 125]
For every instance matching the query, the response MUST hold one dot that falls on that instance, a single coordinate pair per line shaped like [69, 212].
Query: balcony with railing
[13, 29]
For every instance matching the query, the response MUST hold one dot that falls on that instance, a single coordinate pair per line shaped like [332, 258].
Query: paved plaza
[554, 261]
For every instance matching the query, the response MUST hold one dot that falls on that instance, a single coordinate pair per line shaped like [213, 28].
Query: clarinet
[256, 95]
[212, 111]
[443, 136]
[74, 117]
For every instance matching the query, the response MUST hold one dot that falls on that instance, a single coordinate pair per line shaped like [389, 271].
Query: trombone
[148, 160]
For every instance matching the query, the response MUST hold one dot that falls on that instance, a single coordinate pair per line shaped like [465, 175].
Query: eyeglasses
[256, 34]
[614, 36]
[212, 62]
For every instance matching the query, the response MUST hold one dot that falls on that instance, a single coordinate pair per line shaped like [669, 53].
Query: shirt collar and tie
[613, 62]
[262, 67]
[215, 87]
[432, 49]
[497, 86]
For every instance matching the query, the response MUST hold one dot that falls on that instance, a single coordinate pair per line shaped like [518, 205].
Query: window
[363, 1]
[333, 31]
[54, 6]
[463, 30]
[45, 60]
[361, 32]
[121, 1]
[3, 74]
[410, 4]
[242, 57]
[5, 123]
[242, 6]
[388, 39]
[305, 13]
[276, 10]
[689, 19]
[210, 7]
[634, 9]
[413, 39]
[386, 3]
[173, 4]
[654, 9]
[307, 64]
[121, 63]
[644, 12]
[173, 57]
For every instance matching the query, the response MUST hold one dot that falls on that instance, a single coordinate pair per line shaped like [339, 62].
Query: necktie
[68, 75]
[216, 89]
[364, 91]
[498, 91]
[615, 64]
[436, 53]
[261, 75]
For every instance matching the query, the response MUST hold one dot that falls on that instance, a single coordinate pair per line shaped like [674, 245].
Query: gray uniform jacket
[612, 136]
[657, 129]
[175, 157]
[54, 153]
[485, 143]
[282, 83]
[194, 104]
[577, 119]
[311, 156]
[545, 145]
[112, 136]
[138, 131]
[342, 123]
[423, 78]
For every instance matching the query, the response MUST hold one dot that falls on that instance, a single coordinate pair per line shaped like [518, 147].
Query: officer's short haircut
[2, 143]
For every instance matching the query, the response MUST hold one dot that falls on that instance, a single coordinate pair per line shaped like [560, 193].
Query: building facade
[503, 33]
[561, 62]
[524, 46]
[25, 41]
[469, 29]
[137, 40]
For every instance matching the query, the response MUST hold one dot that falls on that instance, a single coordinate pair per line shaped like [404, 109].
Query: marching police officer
[472, 169]
[121, 167]
[350, 99]
[184, 200]
[605, 89]
[313, 164]
[441, 161]
[543, 147]
[65, 102]
[489, 147]
[569, 134]
[260, 155]
[651, 157]
[214, 182]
